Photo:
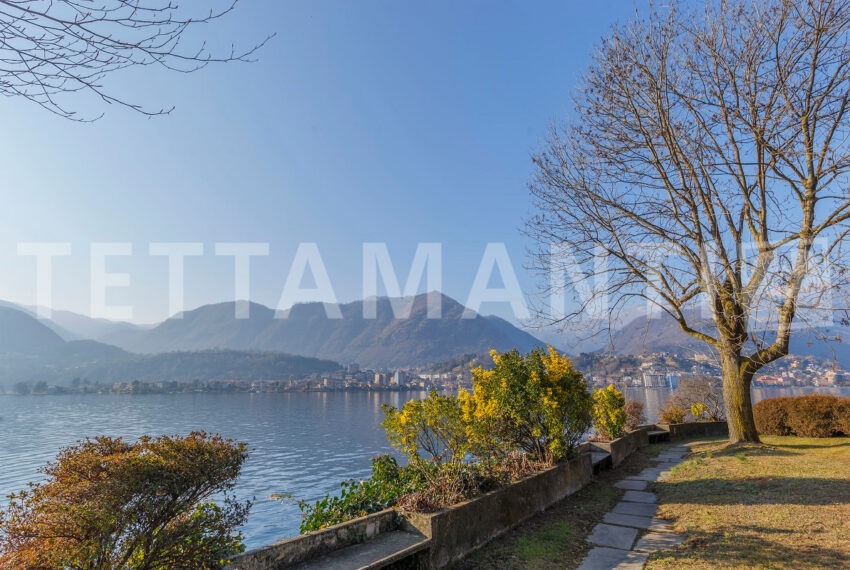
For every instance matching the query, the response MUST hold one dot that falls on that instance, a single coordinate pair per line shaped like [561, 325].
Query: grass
[556, 537]
[781, 505]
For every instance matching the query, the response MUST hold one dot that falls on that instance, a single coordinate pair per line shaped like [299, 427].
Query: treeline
[205, 365]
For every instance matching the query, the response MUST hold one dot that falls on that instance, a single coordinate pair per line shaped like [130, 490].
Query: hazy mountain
[83, 327]
[74, 326]
[306, 330]
[662, 334]
[205, 365]
[23, 333]
[30, 351]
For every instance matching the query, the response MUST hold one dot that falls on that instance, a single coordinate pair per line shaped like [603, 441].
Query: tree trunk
[737, 399]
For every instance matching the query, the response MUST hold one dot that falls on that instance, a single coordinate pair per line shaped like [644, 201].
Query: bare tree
[50, 49]
[706, 165]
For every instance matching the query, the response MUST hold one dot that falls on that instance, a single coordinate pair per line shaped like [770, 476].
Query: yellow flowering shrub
[609, 412]
[432, 429]
[537, 403]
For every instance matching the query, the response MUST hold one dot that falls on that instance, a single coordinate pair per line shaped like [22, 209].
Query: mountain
[205, 365]
[23, 333]
[662, 334]
[646, 335]
[305, 330]
[30, 351]
[73, 326]
[83, 327]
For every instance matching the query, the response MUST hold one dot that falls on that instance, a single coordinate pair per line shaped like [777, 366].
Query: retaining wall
[305, 547]
[457, 531]
[624, 446]
[696, 429]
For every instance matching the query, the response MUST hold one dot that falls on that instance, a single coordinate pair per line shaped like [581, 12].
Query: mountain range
[211, 343]
[383, 341]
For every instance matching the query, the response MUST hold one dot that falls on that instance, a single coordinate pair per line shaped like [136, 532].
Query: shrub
[634, 414]
[671, 413]
[525, 413]
[388, 482]
[537, 403]
[609, 414]
[107, 503]
[812, 415]
[432, 429]
[702, 397]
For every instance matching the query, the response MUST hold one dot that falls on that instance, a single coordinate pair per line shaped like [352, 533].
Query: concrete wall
[459, 530]
[623, 447]
[313, 544]
[696, 429]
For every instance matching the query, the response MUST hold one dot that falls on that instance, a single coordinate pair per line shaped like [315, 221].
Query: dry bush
[812, 415]
[634, 415]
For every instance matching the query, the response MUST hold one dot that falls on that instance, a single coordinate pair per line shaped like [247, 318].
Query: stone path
[615, 539]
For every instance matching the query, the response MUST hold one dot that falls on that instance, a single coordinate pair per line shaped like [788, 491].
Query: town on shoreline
[657, 370]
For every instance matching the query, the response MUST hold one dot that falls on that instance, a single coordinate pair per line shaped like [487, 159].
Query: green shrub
[812, 415]
[388, 482]
[609, 414]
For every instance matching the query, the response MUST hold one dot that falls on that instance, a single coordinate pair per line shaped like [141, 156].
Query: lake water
[303, 444]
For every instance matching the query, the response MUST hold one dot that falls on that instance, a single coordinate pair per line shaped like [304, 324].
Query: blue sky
[396, 122]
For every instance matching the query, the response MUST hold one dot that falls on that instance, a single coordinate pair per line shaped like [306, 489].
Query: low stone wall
[624, 446]
[696, 429]
[314, 544]
[457, 531]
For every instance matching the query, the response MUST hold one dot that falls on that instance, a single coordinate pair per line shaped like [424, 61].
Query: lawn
[785, 504]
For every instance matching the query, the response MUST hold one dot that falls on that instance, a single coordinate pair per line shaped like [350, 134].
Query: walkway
[615, 540]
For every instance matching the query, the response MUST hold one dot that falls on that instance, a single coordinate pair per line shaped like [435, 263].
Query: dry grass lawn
[785, 505]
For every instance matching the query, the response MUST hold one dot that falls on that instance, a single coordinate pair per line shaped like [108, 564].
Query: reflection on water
[303, 444]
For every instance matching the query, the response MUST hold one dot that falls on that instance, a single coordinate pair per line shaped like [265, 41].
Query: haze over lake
[303, 444]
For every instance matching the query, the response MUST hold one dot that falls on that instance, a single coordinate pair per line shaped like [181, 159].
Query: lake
[302, 444]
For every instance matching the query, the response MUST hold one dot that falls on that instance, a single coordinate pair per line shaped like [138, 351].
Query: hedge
[812, 415]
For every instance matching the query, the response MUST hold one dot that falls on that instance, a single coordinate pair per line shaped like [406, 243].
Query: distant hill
[205, 365]
[30, 351]
[83, 327]
[306, 330]
[22, 333]
[662, 334]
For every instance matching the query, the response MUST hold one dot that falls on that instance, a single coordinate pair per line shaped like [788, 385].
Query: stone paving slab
[603, 558]
[633, 521]
[631, 485]
[650, 474]
[640, 497]
[614, 536]
[637, 509]
[673, 460]
[653, 541]
[661, 525]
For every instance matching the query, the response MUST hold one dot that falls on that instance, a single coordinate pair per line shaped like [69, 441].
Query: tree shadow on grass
[825, 447]
[718, 549]
[755, 490]
[754, 450]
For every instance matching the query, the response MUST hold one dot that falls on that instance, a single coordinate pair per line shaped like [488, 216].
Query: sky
[390, 122]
